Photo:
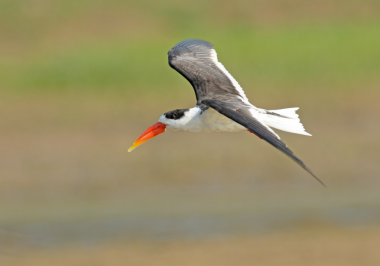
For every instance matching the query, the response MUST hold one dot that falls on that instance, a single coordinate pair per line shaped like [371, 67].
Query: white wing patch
[214, 58]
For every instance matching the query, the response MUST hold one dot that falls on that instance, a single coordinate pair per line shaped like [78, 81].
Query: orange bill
[151, 132]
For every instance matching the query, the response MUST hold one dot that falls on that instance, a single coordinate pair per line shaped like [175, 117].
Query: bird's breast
[212, 121]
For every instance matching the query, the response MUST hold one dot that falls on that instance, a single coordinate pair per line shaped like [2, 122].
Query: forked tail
[285, 120]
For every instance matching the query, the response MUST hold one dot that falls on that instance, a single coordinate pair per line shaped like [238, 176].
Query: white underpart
[212, 121]
[214, 58]
[195, 120]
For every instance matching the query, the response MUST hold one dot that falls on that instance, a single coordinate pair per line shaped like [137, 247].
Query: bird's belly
[212, 121]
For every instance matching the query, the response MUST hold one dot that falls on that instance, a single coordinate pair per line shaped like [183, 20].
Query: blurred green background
[81, 80]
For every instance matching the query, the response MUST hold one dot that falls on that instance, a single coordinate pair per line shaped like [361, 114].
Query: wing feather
[240, 113]
[197, 61]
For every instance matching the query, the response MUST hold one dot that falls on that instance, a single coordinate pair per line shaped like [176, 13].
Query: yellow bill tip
[132, 147]
[151, 132]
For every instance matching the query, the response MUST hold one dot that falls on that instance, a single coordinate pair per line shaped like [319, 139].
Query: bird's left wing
[197, 61]
[240, 113]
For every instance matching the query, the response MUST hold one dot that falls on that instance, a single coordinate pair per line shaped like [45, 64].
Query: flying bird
[222, 105]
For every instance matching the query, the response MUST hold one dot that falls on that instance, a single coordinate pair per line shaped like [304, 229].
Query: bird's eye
[175, 114]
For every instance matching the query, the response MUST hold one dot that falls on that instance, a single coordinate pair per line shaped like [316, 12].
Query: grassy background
[80, 80]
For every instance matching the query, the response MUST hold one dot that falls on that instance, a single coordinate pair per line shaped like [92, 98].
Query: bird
[222, 105]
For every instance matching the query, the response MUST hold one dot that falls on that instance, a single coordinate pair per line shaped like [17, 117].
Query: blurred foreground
[72, 194]
[81, 80]
[302, 247]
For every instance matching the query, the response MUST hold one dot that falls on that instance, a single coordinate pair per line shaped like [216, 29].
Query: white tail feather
[287, 121]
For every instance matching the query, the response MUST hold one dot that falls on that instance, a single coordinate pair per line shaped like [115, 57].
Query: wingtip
[310, 172]
[319, 180]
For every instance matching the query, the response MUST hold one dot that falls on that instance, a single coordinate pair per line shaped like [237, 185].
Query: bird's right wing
[240, 113]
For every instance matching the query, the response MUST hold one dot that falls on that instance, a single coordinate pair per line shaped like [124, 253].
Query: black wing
[196, 60]
[238, 112]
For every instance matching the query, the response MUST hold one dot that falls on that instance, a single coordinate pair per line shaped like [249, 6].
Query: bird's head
[175, 119]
